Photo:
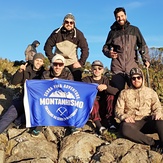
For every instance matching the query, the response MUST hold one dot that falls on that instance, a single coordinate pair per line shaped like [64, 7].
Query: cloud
[134, 4]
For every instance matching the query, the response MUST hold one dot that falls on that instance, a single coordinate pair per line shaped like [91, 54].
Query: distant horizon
[86, 61]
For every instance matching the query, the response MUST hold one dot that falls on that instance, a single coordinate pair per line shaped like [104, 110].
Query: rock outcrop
[57, 145]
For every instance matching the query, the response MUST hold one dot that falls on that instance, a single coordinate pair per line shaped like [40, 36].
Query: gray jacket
[31, 51]
[127, 41]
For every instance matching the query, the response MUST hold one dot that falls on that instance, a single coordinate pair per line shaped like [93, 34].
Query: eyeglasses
[136, 77]
[58, 64]
[98, 68]
[67, 22]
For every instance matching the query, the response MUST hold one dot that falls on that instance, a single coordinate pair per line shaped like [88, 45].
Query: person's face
[97, 71]
[37, 45]
[69, 24]
[38, 63]
[57, 66]
[121, 18]
[137, 81]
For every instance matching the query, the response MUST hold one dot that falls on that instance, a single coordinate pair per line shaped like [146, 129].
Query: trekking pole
[147, 77]
[142, 52]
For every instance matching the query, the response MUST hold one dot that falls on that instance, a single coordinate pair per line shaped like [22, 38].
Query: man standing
[123, 43]
[137, 108]
[66, 40]
[31, 51]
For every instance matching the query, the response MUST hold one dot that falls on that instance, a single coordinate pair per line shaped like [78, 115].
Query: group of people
[135, 107]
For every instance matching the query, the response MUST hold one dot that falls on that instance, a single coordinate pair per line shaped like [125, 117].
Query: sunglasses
[58, 64]
[98, 68]
[67, 22]
[137, 77]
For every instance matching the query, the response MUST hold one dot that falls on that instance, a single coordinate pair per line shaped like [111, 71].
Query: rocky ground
[56, 145]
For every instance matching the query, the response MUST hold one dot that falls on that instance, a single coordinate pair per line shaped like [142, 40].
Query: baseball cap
[97, 63]
[58, 57]
[135, 71]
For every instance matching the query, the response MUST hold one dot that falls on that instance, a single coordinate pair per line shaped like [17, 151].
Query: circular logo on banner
[61, 101]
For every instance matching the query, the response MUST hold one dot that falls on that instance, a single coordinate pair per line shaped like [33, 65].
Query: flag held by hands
[58, 102]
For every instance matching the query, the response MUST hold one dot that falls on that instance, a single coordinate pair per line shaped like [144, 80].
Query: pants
[8, 117]
[14, 111]
[137, 131]
[76, 72]
[103, 109]
[119, 80]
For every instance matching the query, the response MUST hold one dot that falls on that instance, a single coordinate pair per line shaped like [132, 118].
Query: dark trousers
[103, 109]
[119, 80]
[137, 131]
[13, 112]
[76, 72]
[8, 117]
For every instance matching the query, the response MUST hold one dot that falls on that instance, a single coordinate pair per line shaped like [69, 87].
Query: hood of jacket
[35, 42]
[116, 26]
[63, 30]
[143, 80]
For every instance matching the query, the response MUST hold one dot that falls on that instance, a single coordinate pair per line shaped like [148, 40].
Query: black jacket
[103, 80]
[49, 74]
[126, 40]
[66, 43]
[29, 73]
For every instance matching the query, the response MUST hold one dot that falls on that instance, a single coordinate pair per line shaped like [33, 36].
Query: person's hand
[76, 65]
[156, 117]
[113, 54]
[101, 87]
[23, 67]
[54, 78]
[147, 64]
[130, 120]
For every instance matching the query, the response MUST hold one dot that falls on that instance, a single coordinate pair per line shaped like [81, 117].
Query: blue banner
[58, 102]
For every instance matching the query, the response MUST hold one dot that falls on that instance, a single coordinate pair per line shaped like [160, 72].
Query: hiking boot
[160, 150]
[113, 128]
[35, 133]
[106, 135]
[157, 148]
[75, 130]
[103, 130]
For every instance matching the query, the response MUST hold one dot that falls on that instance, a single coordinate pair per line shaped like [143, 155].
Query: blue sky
[23, 21]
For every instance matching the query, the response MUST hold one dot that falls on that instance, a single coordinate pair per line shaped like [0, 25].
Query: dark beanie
[38, 55]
